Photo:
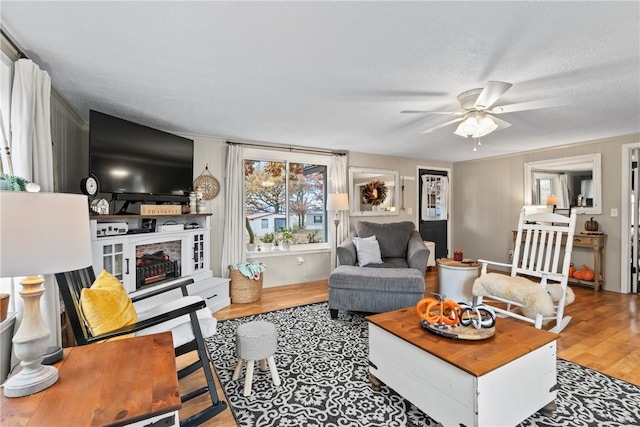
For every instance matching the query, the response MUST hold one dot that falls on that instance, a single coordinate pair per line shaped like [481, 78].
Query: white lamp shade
[43, 233]
[338, 202]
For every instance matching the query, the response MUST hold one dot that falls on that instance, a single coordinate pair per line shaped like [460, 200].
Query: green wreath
[374, 193]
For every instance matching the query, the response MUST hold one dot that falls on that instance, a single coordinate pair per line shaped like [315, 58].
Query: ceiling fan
[477, 116]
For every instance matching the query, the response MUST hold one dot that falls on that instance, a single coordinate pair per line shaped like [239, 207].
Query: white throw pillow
[368, 250]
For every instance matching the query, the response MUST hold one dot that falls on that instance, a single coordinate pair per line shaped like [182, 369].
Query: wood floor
[604, 333]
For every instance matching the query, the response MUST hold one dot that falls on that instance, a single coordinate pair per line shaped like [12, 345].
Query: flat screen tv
[131, 158]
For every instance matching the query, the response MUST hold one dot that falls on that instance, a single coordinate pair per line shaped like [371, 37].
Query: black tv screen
[127, 157]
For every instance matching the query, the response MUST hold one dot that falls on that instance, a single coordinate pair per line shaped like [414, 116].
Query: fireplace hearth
[155, 267]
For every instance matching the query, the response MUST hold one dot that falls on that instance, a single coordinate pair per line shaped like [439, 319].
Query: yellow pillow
[106, 305]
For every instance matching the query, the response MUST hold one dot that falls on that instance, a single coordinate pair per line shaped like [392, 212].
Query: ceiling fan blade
[530, 105]
[490, 94]
[450, 113]
[443, 125]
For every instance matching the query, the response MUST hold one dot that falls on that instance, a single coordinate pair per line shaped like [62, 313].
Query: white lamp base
[30, 344]
[24, 384]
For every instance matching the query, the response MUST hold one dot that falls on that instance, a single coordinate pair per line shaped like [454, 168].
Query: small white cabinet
[130, 241]
[110, 255]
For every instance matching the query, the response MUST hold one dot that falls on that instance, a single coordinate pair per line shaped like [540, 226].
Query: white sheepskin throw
[522, 290]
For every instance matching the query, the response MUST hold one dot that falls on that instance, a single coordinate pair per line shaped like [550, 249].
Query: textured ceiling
[337, 74]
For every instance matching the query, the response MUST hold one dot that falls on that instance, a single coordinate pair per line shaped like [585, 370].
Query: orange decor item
[584, 274]
[436, 311]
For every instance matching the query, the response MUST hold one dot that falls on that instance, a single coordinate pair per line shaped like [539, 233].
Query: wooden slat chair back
[542, 252]
[71, 284]
[546, 242]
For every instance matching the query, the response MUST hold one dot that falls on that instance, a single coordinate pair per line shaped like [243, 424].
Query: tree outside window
[292, 194]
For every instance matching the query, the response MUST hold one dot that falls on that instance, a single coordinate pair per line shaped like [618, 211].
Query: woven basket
[243, 289]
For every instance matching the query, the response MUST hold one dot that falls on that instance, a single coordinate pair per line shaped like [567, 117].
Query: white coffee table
[499, 381]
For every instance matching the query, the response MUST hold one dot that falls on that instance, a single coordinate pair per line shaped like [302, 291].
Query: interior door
[635, 220]
[433, 207]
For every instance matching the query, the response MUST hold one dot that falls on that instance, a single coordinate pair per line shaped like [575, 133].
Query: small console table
[130, 382]
[596, 242]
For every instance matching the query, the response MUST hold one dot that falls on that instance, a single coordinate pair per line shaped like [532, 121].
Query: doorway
[433, 208]
[630, 232]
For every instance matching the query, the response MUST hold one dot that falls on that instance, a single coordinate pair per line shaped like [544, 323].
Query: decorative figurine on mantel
[193, 202]
[202, 208]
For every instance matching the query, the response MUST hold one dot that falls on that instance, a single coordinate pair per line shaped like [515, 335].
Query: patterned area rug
[323, 365]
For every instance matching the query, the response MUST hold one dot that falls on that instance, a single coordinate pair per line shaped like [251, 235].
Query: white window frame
[256, 154]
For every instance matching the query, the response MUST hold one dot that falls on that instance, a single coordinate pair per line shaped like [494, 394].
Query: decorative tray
[469, 333]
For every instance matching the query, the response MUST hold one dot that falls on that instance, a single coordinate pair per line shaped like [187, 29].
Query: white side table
[455, 279]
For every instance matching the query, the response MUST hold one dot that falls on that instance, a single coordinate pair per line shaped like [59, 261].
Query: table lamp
[337, 202]
[40, 233]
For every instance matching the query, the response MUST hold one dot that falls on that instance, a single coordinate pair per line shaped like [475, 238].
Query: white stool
[256, 341]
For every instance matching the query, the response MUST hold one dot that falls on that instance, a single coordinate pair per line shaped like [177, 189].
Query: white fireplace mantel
[116, 252]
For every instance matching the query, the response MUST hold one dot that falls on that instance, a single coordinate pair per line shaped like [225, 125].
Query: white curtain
[233, 240]
[563, 196]
[32, 157]
[338, 184]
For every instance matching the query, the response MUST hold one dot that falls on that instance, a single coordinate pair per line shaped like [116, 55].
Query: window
[290, 192]
[280, 223]
[264, 223]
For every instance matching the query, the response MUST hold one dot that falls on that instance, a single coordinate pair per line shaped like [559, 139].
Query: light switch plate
[614, 212]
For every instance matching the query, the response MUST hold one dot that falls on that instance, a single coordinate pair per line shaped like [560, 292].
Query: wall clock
[90, 186]
[208, 184]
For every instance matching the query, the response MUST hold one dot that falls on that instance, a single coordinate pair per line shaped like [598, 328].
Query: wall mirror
[566, 182]
[373, 192]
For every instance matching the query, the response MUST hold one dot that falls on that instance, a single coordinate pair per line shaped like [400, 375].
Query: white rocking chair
[545, 241]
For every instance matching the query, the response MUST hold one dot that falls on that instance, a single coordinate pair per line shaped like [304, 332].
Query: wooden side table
[125, 382]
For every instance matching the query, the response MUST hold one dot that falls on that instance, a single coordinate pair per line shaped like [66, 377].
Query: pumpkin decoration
[374, 193]
[591, 225]
[585, 273]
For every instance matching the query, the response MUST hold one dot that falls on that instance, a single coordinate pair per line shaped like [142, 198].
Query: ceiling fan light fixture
[467, 127]
[485, 126]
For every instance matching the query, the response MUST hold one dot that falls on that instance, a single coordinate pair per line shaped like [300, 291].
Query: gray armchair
[400, 245]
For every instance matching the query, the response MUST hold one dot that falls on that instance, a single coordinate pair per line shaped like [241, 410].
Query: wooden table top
[512, 340]
[465, 263]
[112, 383]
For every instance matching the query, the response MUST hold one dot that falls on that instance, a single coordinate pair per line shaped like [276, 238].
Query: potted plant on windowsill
[286, 238]
[251, 246]
[267, 241]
